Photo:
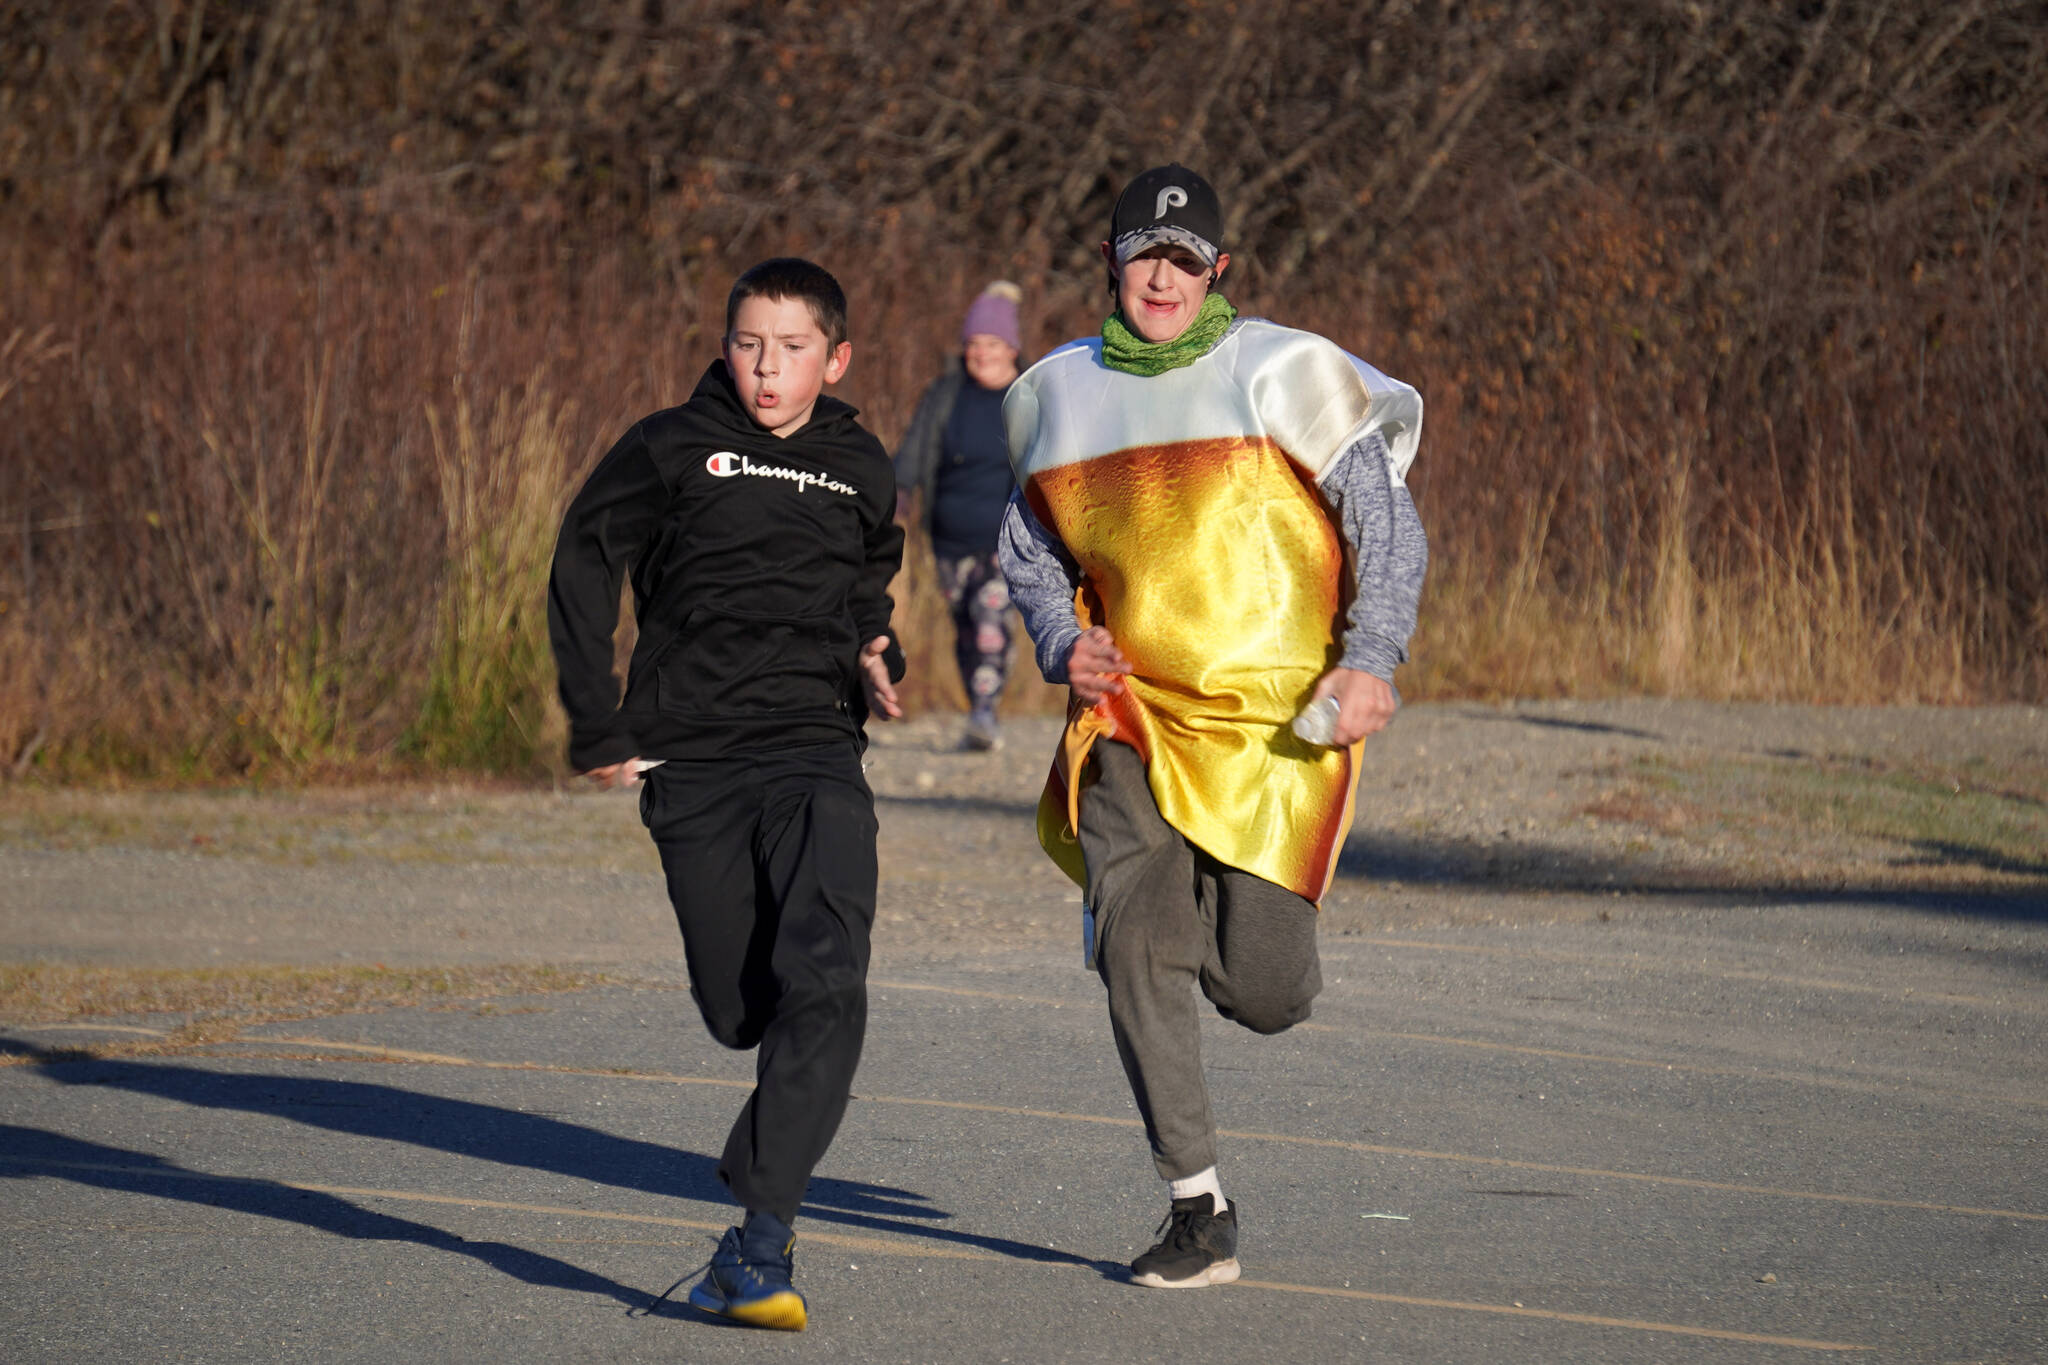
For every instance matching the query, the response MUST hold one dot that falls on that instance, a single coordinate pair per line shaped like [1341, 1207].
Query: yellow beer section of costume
[1188, 502]
[1216, 569]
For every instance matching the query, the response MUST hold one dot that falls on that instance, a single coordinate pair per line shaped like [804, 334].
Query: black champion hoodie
[760, 565]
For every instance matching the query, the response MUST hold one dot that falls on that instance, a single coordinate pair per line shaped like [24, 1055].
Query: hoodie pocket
[729, 663]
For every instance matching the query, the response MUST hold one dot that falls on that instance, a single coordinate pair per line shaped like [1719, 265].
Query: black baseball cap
[1167, 204]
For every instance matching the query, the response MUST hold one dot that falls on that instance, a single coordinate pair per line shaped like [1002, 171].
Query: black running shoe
[1200, 1247]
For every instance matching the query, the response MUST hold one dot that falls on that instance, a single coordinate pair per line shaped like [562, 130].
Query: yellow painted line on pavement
[894, 1246]
[399, 1054]
[879, 1245]
[1552, 1315]
[1497, 1162]
[1285, 1139]
[1858, 1085]
[1852, 1083]
[1642, 1177]
[1701, 967]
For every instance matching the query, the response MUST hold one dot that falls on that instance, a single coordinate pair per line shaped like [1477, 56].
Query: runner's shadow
[481, 1132]
[507, 1137]
[26, 1152]
[1949, 853]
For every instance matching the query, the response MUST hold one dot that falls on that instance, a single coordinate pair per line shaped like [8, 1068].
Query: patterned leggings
[980, 604]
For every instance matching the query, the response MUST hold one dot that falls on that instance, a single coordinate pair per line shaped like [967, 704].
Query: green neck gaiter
[1123, 349]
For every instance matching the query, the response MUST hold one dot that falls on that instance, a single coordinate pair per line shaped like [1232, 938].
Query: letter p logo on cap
[1172, 197]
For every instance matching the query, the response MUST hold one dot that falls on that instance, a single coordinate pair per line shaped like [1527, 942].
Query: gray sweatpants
[1166, 916]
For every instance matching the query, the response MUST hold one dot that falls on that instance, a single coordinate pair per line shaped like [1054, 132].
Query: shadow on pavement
[508, 1137]
[42, 1153]
[1589, 727]
[1513, 866]
[1947, 853]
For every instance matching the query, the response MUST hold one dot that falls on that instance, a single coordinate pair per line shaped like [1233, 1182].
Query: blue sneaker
[748, 1280]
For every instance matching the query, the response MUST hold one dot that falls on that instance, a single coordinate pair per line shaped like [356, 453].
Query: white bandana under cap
[1143, 239]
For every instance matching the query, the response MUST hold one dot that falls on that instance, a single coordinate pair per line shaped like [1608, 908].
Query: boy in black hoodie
[756, 523]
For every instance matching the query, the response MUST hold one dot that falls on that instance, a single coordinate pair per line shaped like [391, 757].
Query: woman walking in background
[956, 459]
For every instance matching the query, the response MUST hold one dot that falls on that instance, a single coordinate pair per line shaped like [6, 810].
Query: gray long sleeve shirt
[1383, 538]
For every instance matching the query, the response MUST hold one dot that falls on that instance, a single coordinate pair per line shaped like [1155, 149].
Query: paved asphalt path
[1711, 1135]
[1528, 1122]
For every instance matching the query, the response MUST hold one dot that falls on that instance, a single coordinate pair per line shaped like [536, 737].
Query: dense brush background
[1732, 319]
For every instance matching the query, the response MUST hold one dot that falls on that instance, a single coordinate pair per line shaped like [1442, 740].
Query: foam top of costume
[1188, 500]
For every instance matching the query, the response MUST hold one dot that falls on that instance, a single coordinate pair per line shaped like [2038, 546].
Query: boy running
[755, 522]
[1211, 531]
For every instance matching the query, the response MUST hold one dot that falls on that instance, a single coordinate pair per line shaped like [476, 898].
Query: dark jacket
[917, 458]
[958, 461]
[759, 565]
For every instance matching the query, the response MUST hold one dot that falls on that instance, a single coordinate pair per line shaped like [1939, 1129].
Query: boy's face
[1161, 290]
[781, 361]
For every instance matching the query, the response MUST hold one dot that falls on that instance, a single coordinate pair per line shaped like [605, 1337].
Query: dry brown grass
[1733, 325]
[188, 1007]
[1821, 822]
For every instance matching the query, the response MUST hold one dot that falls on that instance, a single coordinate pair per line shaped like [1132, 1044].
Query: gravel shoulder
[1467, 813]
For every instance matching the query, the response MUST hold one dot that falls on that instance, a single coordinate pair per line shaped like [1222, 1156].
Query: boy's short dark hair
[792, 277]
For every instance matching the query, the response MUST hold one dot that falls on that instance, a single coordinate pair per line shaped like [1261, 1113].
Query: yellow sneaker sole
[781, 1312]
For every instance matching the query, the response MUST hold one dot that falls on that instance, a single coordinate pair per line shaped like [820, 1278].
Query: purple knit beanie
[994, 314]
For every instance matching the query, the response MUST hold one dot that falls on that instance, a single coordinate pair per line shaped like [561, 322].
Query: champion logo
[725, 464]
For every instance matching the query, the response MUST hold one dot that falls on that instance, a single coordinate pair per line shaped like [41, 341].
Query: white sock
[1201, 1182]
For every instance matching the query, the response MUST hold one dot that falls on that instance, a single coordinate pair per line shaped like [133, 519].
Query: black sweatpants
[770, 860]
